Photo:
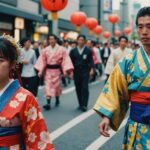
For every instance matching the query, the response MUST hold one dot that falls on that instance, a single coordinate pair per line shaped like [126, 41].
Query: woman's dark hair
[145, 11]
[7, 50]
[123, 37]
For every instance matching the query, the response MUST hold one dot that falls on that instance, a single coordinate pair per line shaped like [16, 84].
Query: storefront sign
[19, 23]
[107, 6]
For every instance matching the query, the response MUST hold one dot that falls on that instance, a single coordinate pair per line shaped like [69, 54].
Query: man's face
[123, 43]
[89, 44]
[143, 29]
[66, 44]
[81, 41]
[36, 45]
[52, 40]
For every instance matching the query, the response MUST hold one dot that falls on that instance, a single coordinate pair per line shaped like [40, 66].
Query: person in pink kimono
[52, 61]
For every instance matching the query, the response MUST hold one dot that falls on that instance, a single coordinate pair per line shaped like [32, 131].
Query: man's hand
[91, 72]
[104, 127]
[69, 73]
[40, 74]
[25, 62]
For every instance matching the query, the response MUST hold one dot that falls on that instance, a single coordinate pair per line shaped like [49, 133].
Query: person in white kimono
[117, 54]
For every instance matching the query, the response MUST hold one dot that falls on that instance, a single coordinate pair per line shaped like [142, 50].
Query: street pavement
[72, 129]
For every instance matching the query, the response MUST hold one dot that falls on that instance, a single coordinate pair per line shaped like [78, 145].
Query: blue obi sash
[140, 113]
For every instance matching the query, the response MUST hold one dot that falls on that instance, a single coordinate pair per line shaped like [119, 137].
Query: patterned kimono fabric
[129, 83]
[21, 122]
[50, 63]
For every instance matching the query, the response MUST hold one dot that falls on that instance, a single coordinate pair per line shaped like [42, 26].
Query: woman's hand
[104, 127]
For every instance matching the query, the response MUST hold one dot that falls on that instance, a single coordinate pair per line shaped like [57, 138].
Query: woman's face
[4, 68]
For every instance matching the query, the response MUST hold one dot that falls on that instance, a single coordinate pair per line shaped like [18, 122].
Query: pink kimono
[95, 59]
[50, 63]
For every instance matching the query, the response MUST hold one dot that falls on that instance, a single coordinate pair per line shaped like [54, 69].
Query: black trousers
[31, 84]
[82, 88]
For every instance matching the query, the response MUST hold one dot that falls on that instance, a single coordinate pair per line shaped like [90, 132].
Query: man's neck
[122, 48]
[53, 46]
[26, 48]
[81, 47]
[147, 50]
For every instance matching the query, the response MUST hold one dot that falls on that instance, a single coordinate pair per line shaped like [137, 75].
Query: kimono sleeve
[110, 64]
[114, 100]
[41, 62]
[95, 59]
[36, 135]
[66, 64]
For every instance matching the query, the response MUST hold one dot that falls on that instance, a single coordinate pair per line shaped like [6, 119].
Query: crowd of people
[126, 65]
[54, 63]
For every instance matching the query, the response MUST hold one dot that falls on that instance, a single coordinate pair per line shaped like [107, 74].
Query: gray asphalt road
[72, 129]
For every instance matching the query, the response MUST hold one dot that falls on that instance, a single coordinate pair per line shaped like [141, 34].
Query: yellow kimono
[132, 73]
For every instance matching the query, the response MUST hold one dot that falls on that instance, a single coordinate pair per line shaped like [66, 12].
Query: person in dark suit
[105, 53]
[82, 60]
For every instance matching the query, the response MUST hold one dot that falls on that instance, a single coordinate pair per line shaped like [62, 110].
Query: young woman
[22, 126]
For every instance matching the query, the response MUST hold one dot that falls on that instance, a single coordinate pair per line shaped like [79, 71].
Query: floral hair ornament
[14, 43]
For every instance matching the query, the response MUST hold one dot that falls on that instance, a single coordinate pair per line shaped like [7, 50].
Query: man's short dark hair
[23, 41]
[145, 11]
[105, 44]
[53, 35]
[123, 37]
[81, 36]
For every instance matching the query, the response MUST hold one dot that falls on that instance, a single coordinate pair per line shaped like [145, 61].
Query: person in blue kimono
[129, 82]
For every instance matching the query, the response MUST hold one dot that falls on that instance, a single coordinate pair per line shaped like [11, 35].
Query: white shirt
[115, 56]
[97, 52]
[6, 87]
[106, 53]
[80, 50]
[28, 69]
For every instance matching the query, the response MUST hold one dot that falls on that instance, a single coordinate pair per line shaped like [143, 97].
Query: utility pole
[99, 11]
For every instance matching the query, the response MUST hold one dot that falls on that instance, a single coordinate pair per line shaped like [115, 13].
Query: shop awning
[6, 9]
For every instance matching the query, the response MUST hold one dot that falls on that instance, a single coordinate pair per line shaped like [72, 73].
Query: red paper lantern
[127, 30]
[98, 30]
[106, 34]
[78, 18]
[91, 23]
[113, 18]
[54, 6]
[117, 33]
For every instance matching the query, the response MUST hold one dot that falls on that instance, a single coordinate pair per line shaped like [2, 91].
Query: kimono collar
[6, 87]
[146, 54]
[54, 48]
[8, 93]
